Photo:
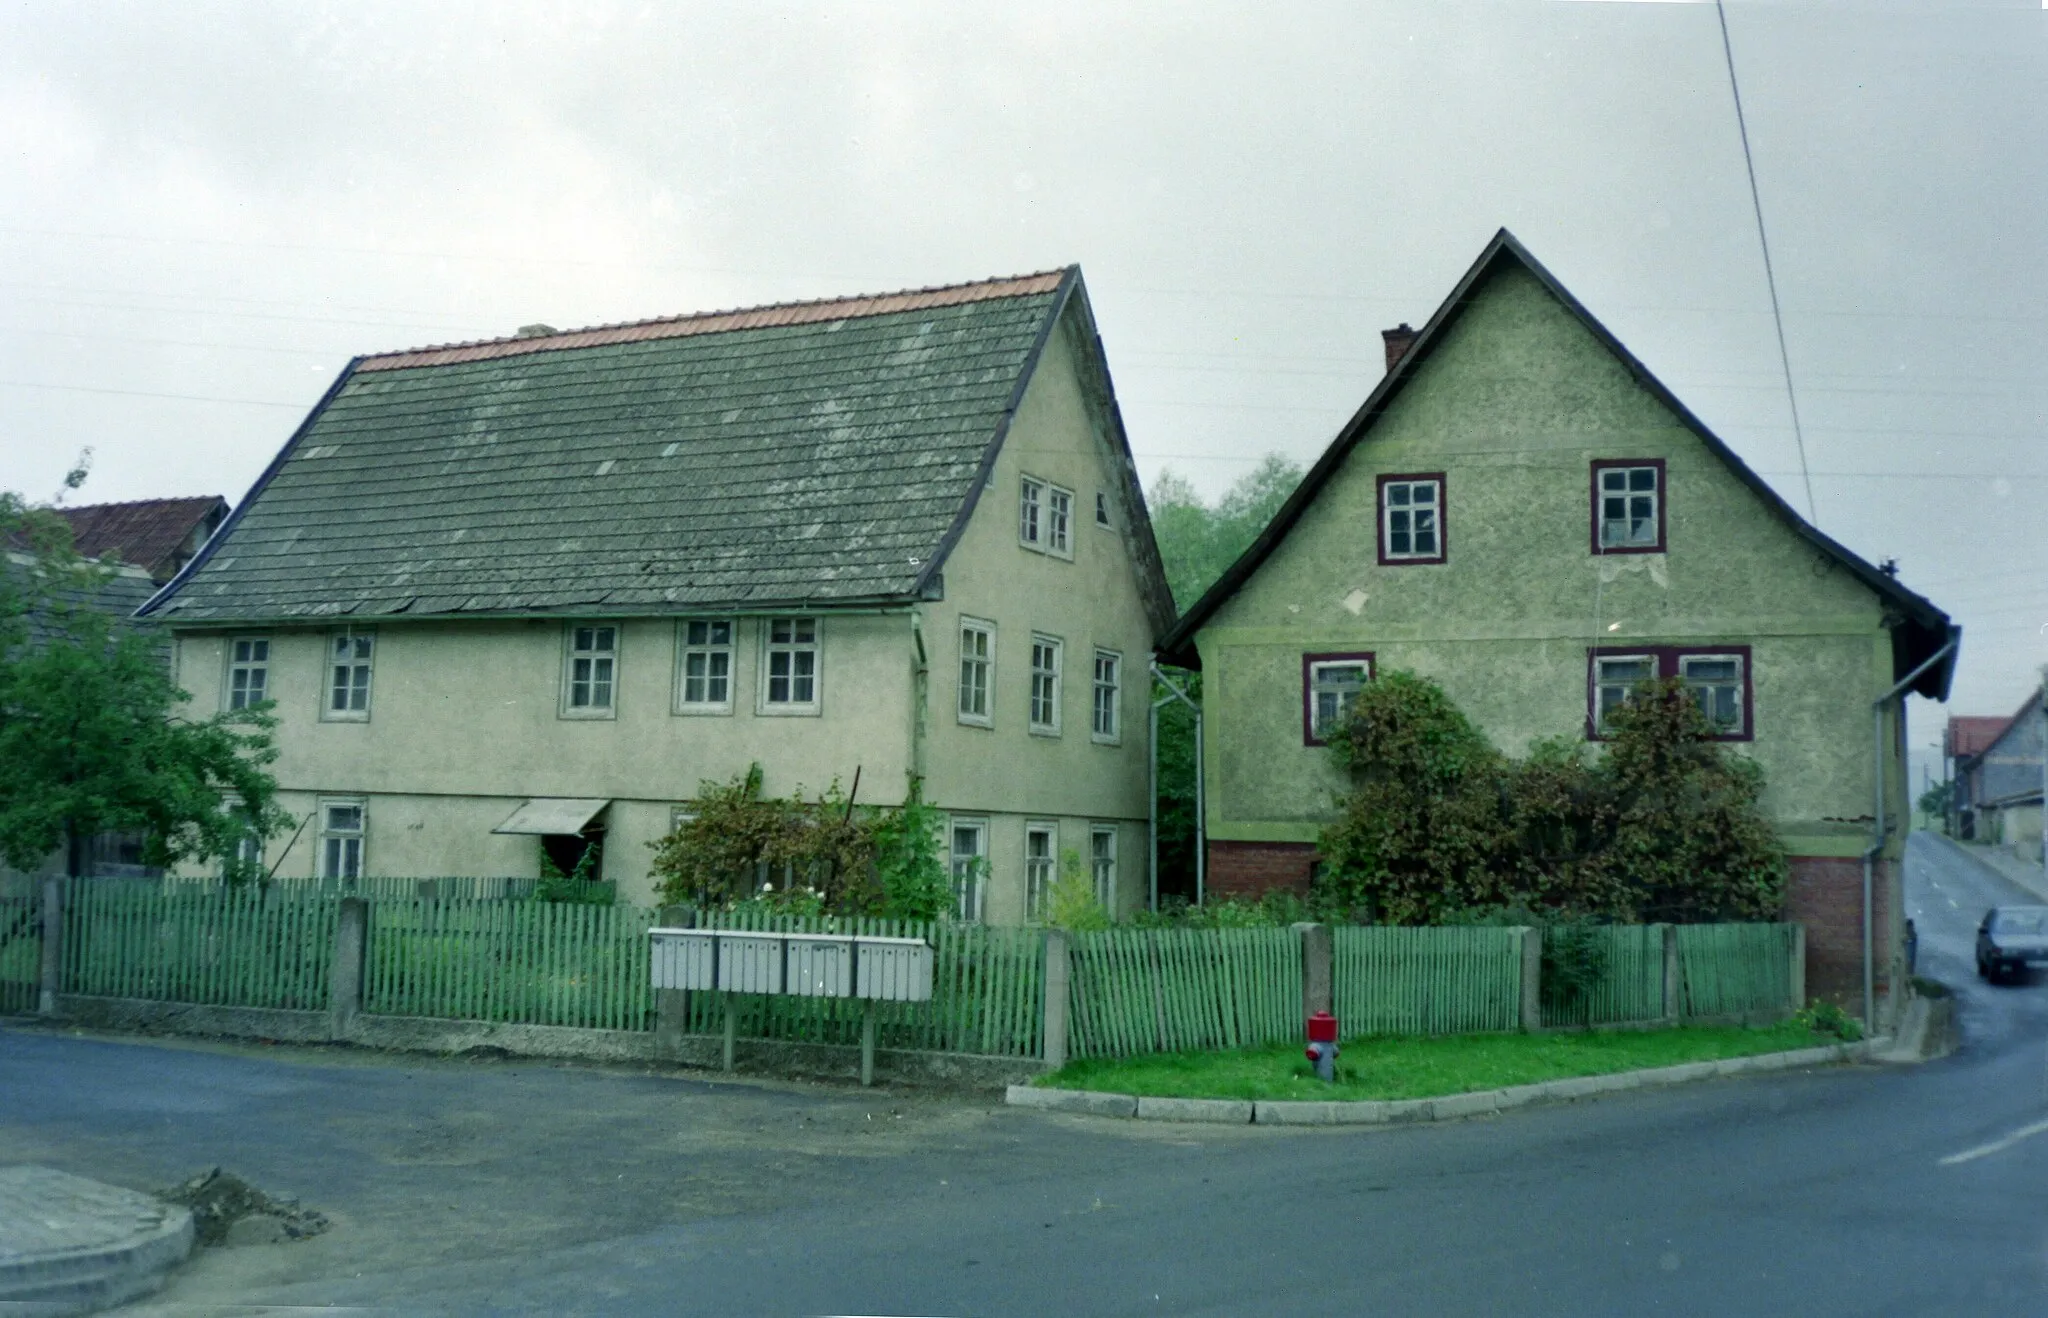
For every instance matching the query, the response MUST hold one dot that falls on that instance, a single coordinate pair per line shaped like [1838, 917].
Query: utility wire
[1770, 276]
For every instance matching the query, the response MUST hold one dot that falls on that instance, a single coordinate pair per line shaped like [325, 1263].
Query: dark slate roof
[1925, 644]
[118, 594]
[146, 532]
[823, 453]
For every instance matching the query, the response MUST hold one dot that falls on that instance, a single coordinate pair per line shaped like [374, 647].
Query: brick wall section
[1252, 869]
[1826, 895]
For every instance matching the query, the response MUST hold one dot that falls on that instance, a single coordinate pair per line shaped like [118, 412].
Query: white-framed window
[678, 815]
[789, 666]
[245, 858]
[1031, 512]
[349, 656]
[1716, 684]
[968, 853]
[1102, 864]
[1102, 508]
[248, 856]
[704, 666]
[590, 671]
[1045, 685]
[1411, 519]
[1615, 677]
[248, 677]
[1041, 866]
[1059, 521]
[977, 672]
[1104, 723]
[1628, 509]
[344, 825]
[1330, 683]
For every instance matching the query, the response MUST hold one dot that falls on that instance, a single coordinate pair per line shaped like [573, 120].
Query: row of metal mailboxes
[807, 965]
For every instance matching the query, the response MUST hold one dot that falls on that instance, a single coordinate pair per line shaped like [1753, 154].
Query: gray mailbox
[819, 966]
[894, 969]
[805, 965]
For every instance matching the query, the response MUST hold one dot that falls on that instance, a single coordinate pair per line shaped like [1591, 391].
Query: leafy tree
[1935, 802]
[1072, 903]
[91, 739]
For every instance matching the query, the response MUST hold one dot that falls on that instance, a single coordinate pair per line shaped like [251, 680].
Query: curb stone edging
[1447, 1107]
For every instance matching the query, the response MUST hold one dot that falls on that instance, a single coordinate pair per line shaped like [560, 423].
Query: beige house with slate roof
[525, 595]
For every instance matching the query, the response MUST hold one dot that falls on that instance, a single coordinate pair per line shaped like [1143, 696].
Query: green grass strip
[1410, 1067]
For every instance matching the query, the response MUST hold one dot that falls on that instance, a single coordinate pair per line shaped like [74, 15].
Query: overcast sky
[207, 209]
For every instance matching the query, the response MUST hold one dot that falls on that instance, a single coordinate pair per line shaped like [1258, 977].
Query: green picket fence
[531, 963]
[988, 990]
[21, 949]
[1734, 968]
[1397, 980]
[1630, 988]
[1175, 990]
[209, 944]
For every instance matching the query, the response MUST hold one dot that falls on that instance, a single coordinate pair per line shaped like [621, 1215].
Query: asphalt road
[500, 1187]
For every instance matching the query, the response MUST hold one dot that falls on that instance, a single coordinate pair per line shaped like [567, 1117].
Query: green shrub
[1072, 903]
[1824, 1017]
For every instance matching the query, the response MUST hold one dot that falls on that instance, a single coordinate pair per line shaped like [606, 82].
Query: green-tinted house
[1523, 513]
[521, 597]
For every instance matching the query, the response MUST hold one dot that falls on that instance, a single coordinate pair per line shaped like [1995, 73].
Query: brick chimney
[1398, 340]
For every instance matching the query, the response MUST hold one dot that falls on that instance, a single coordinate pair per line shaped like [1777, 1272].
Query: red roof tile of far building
[1970, 734]
[157, 535]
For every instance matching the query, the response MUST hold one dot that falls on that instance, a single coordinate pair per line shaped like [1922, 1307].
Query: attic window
[590, 675]
[1101, 508]
[1412, 519]
[1031, 513]
[1628, 506]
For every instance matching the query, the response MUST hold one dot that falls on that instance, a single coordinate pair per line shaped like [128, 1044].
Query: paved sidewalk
[69, 1245]
[2003, 863]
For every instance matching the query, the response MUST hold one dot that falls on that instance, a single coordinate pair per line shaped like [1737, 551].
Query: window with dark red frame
[1717, 677]
[1629, 498]
[1329, 683]
[1411, 518]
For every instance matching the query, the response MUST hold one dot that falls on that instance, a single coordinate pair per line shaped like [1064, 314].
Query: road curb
[72, 1246]
[1447, 1107]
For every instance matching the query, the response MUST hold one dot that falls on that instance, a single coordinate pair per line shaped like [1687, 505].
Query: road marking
[1995, 1146]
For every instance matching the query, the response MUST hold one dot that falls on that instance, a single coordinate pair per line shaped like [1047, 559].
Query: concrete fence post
[1674, 976]
[1532, 980]
[1054, 1035]
[345, 976]
[52, 969]
[1797, 969]
[1318, 986]
[672, 1006]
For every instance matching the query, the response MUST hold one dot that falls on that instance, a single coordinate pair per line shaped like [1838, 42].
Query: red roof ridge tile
[769, 315]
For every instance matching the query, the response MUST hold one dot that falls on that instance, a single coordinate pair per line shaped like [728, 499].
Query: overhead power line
[1770, 276]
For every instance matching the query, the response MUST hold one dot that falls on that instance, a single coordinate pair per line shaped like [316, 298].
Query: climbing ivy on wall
[1661, 823]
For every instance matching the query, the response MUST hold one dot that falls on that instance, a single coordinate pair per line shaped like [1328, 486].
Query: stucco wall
[1513, 408]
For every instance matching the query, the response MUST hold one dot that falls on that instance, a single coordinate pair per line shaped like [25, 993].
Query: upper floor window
[592, 671]
[1103, 724]
[1045, 685]
[1412, 519]
[1031, 513]
[1059, 521]
[977, 671]
[704, 666]
[1101, 508]
[789, 672]
[1716, 677]
[1329, 684]
[248, 671]
[349, 655]
[1628, 506]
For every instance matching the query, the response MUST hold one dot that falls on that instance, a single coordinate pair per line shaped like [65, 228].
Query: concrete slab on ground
[69, 1245]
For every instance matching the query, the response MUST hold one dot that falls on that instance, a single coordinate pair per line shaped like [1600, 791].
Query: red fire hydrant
[1322, 1045]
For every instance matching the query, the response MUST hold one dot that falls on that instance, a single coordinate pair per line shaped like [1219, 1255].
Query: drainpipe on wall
[920, 679]
[1152, 803]
[1878, 833]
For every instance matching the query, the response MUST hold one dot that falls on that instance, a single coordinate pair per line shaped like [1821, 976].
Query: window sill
[788, 711]
[330, 717]
[702, 711]
[1100, 740]
[967, 721]
[1048, 733]
[586, 715]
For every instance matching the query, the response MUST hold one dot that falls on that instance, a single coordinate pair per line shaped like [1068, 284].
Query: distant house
[157, 535]
[520, 597]
[1999, 783]
[1965, 736]
[1521, 511]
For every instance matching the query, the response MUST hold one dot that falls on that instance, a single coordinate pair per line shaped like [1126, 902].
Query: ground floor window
[1329, 683]
[343, 826]
[1102, 862]
[969, 862]
[1041, 866]
[1716, 677]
